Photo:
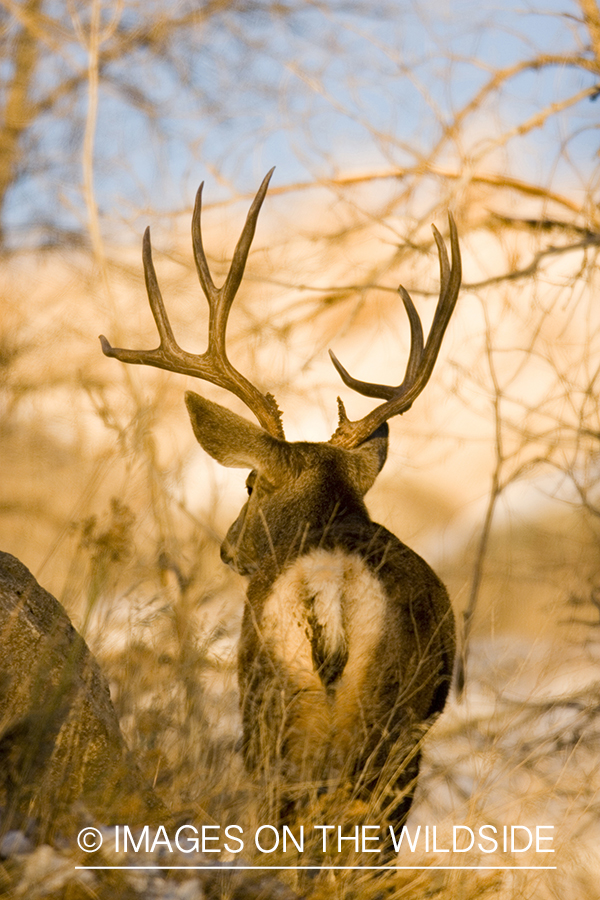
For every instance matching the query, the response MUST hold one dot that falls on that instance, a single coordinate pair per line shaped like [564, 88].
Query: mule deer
[347, 642]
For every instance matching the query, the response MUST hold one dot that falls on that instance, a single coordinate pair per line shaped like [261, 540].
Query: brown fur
[347, 640]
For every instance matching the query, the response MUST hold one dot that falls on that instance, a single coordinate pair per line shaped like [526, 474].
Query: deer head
[294, 488]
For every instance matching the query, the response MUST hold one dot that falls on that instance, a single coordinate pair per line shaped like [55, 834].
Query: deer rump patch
[321, 625]
[316, 624]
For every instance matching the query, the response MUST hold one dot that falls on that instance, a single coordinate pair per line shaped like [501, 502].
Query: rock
[14, 843]
[60, 740]
[64, 763]
[45, 872]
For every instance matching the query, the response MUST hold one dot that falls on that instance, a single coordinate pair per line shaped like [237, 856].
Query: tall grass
[106, 499]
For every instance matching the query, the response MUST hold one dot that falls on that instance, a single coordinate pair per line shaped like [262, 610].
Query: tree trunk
[18, 109]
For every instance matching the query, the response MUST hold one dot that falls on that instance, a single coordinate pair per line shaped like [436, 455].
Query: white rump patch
[345, 599]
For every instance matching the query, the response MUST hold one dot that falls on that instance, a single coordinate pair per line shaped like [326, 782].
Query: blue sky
[315, 94]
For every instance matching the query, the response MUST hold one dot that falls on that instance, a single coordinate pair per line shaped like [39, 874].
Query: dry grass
[96, 500]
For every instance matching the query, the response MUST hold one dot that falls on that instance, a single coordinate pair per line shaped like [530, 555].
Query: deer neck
[330, 530]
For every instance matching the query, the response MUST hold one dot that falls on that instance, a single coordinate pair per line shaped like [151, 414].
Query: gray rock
[14, 843]
[60, 740]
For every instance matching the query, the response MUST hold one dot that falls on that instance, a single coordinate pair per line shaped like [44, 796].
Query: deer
[347, 641]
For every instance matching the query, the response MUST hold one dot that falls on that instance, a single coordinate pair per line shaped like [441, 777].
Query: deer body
[347, 641]
[350, 650]
[348, 637]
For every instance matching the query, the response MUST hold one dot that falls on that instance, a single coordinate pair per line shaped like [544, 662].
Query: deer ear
[366, 461]
[232, 440]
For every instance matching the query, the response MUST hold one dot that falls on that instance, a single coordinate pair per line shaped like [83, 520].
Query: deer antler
[212, 365]
[421, 359]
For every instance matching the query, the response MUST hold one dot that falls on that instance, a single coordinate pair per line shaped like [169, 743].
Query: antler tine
[450, 279]
[421, 359]
[220, 299]
[167, 338]
[168, 344]
[204, 276]
[240, 254]
[212, 365]
[449, 288]
[385, 391]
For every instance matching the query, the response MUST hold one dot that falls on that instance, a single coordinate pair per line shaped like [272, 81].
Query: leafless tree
[497, 122]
